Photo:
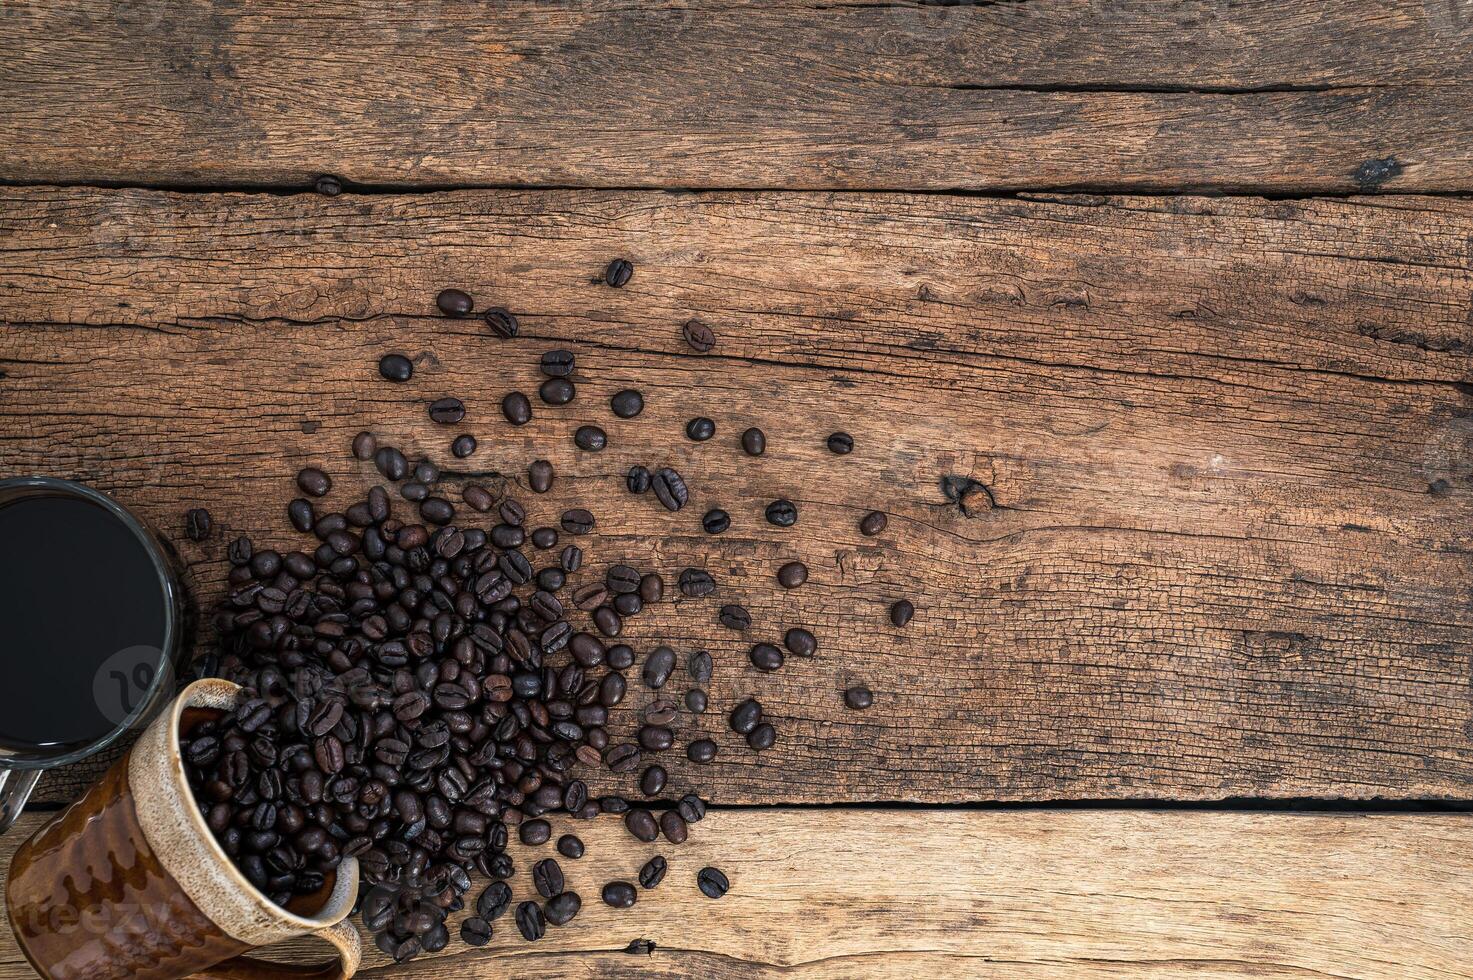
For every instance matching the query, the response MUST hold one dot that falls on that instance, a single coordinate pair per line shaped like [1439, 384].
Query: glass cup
[133, 684]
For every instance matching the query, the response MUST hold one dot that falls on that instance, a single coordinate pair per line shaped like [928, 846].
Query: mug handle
[344, 936]
[15, 789]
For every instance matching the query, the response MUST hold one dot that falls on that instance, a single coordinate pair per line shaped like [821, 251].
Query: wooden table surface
[1153, 323]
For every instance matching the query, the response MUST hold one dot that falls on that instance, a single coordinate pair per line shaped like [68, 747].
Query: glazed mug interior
[129, 881]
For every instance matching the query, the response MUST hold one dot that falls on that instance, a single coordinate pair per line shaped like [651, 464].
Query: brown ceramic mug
[129, 882]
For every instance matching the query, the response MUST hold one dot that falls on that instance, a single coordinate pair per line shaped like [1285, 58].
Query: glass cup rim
[170, 587]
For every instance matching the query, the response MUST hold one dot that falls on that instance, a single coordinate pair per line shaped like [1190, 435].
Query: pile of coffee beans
[421, 681]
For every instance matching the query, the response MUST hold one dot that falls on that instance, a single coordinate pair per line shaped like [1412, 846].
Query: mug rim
[168, 766]
[171, 598]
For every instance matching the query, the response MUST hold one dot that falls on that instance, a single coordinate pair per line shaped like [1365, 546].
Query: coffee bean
[692, 808]
[590, 596]
[653, 872]
[534, 832]
[562, 908]
[463, 446]
[652, 782]
[800, 642]
[873, 523]
[530, 921]
[735, 617]
[712, 882]
[313, 482]
[577, 521]
[656, 738]
[762, 738]
[618, 273]
[902, 612]
[841, 444]
[512, 512]
[627, 404]
[197, 523]
[447, 411]
[792, 575]
[716, 521]
[658, 667]
[540, 476]
[364, 446]
[670, 488]
[414, 491]
[391, 463]
[570, 559]
[478, 498]
[699, 336]
[516, 408]
[557, 391]
[454, 302]
[328, 186]
[701, 751]
[558, 363]
[620, 894]
[569, 846]
[436, 510]
[475, 931]
[745, 716]
[858, 697]
[590, 438]
[621, 579]
[494, 901]
[782, 513]
[623, 757]
[641, 824]
[673, 827]
[547, 877]
[766, 657]
[696, 583]
[501, 322]
[700, 429]
[395, 367]
[638, 479]
[695, 701]
[651, 588]
[621, 656]
[544, 538]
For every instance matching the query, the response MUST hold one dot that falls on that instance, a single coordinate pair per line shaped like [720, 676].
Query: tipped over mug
[129, 881]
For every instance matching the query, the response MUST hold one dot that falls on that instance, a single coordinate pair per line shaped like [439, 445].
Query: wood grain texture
[1135, 95]
[1223, 548]
[844, 893]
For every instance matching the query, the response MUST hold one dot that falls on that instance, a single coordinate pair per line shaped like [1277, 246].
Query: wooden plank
[1228, 443]
[1135, 95]
[1025, 894]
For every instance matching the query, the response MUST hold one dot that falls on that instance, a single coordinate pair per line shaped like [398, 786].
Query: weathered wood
[1223, 544]
[1024, 894]
[1134, 94]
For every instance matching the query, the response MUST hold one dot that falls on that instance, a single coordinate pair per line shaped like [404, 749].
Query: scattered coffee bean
[478, 498]
[716, 521]
[534, 832]
[313, 482]
[762, 737]
[570, 846]
[570, 559]
[699, 336]
[447, 411]
[501, 322]
[792, 575]
[516, 408]
[563, 907]
[328, 186]
[544, 538]
[577, 521]
[658, 667]
[642, 824]
[618, 273]
[590, 438]
[841, 444]
[463, 446]
[651, 588]
[437, 510]
[620, 894]
[414, 491]
[735, 617]
[364, 446]
[699, 665]
[621, 579]
[902, 612]
[701, 751]
[692, 808]
[627, 404]
[494, 901]
[766, 657]
[745, 716]
[638, 479]
[395, 367]
[859, 697]
[391, 463]
[782, 513]
[754, 442]
[557, 391]
[558, 363]
[670, 488]
[800, 642]
[547, 877]
[540, 476]
[475, 931]
[652, 782]
[873, 523]
[197, 523]
[653, 872]
[700, 429]
[695, 700]
[531, 923]
[454, 302]
[712, 882]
